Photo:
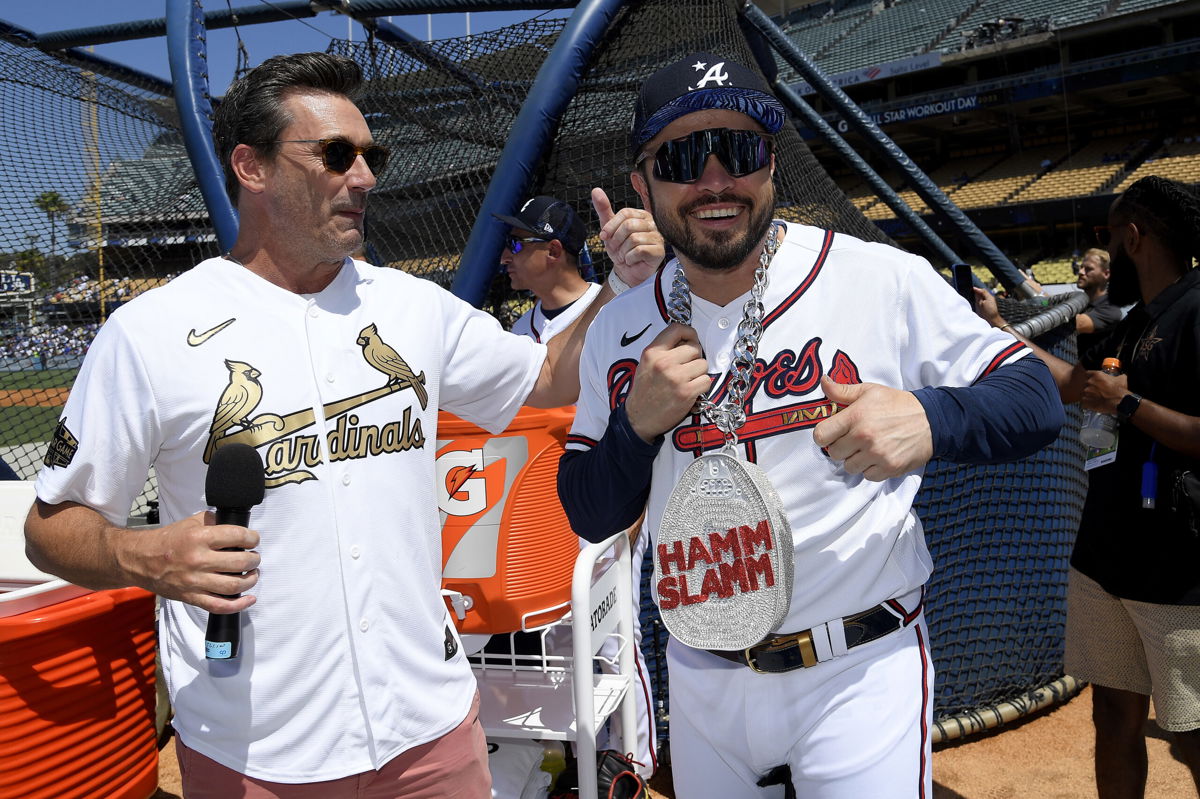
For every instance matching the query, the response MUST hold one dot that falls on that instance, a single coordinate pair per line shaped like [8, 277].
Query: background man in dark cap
[789, 565]
[543, 256]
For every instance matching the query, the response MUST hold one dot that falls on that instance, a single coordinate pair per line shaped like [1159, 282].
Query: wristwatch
[1128, 406]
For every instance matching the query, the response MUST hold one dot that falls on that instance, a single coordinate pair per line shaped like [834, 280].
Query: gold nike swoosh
[196, 339]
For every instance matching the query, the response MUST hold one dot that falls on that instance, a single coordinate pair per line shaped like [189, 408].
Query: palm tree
[51, 204]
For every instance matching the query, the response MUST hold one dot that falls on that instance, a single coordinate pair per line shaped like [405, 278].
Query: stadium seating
[1062, 13]
[997, 184]
[867, 34]
[1129, 6]
[950, 177]
[1083, 172]
[115, 288]
[1178, 160]
[812, 38]
[906, 29]
[1054, 271]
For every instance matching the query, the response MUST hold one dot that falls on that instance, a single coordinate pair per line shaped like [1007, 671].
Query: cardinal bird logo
[382, 357]
[238, 401]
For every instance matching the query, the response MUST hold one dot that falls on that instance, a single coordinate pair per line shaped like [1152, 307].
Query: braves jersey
[534, 324]
[837, 306]
[348, 657]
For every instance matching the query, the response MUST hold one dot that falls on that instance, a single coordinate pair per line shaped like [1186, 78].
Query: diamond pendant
[723, 559]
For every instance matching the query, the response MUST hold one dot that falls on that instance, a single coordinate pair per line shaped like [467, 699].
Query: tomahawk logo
[715, 74]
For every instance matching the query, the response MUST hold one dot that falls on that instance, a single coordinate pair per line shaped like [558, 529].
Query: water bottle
[1099, 430]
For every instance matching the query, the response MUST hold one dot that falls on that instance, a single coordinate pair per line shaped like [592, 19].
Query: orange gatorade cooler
[507, 548]
[77, 690]
[77, 699]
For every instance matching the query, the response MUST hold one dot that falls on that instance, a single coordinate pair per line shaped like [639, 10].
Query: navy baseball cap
[698, 82]
[550, 218]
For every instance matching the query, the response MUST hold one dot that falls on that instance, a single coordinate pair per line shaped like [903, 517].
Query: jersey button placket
[720, 332]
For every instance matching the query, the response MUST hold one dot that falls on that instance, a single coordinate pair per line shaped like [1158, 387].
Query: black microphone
[235, 483]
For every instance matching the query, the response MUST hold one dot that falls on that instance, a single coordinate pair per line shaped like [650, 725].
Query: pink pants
[451, 767]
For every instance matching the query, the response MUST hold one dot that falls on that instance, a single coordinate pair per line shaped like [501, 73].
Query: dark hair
[252, 111]
[1167, 209]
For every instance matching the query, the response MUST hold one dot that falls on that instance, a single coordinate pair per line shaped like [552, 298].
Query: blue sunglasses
[515, 245]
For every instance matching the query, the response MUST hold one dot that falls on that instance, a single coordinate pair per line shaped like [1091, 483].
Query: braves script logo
[787, 374]
[715, 74]
[721, 564]
[289, 456]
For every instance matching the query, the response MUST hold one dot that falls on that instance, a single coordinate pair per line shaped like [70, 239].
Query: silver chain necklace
[730, 415]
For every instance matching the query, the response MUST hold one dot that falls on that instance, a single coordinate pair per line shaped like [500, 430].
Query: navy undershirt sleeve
[1009, 414]
[604, 489]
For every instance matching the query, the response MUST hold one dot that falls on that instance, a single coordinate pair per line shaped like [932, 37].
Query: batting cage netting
[107, 209]
[112, 209]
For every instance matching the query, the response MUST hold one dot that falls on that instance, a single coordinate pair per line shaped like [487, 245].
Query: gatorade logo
[713, 75]
[463, 482]
[472, 480]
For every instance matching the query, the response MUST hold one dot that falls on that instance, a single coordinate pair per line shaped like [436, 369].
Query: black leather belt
[782, 653]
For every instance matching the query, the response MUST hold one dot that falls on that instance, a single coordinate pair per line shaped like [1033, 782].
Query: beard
[1123, 286]
[721, 250]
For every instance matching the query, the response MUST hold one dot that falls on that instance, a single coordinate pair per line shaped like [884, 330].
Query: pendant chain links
[730, 415]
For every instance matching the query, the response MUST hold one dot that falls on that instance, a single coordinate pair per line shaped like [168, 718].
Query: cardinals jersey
[348, 657]
[837, 306]
[533, 323]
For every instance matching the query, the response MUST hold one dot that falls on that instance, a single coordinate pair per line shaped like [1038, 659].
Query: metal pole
[878, 184]
[531, 136]
[1004, 269]
[186, 53]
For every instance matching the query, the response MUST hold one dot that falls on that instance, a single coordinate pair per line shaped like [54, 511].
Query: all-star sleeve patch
[63, 446]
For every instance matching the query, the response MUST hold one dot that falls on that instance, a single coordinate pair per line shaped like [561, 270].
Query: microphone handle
[224, 634]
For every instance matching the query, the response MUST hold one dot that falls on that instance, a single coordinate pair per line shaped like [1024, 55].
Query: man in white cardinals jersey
[854, 364]
[351, 681]
[543, 256]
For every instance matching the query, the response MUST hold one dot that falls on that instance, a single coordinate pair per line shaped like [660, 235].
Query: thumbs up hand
[630, 238]
[879, 432]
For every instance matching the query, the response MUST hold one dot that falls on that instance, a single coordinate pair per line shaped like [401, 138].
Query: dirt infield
[34, 397]
[1048, 755]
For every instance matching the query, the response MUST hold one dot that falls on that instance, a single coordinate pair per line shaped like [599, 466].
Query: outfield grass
[23, 424]
[46, 378]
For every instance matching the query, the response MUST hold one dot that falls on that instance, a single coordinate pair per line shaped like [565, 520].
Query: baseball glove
[616, 778]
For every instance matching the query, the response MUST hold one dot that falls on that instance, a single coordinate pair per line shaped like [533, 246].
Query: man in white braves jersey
[835, 698]
[351, 680]
[542, 256]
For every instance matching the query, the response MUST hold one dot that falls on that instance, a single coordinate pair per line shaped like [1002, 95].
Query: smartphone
[962, 283]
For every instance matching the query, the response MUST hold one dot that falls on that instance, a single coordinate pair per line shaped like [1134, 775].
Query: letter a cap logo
[733, 596]
[698, 82]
